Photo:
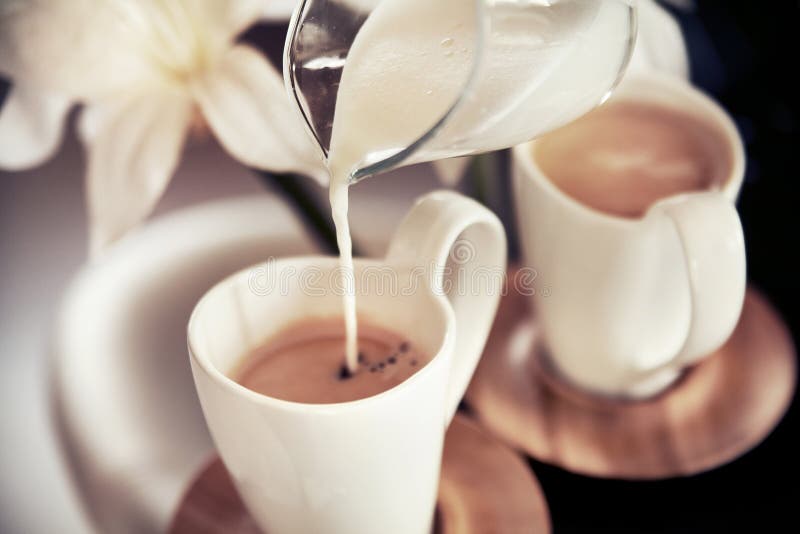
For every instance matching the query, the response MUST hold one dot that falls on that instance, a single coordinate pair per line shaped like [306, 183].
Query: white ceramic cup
[370, 465]
[627, 304]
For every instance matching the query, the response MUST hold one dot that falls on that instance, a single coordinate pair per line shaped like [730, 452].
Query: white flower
[144, 70]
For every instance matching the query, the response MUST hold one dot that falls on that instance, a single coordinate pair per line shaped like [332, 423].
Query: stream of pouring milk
[410, 62]
[373, 96]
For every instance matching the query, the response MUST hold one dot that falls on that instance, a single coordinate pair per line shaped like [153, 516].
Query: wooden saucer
[484, 487]
[713, 414]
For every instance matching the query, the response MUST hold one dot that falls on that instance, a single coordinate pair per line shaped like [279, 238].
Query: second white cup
[627, 304]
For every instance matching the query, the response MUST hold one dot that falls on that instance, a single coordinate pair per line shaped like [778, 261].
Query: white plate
[122, 389]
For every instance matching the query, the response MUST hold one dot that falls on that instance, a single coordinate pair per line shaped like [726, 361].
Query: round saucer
[123, 397]
[484, 487]
[714, 413]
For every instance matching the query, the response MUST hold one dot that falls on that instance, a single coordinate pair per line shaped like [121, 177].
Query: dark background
[744, 53]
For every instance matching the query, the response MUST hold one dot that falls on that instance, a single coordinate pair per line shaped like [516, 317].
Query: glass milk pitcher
[384, 83]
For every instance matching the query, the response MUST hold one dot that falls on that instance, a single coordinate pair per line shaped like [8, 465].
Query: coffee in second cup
[624, 157]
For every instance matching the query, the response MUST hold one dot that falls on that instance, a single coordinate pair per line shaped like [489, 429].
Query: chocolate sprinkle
[404, 346]
[344, 373]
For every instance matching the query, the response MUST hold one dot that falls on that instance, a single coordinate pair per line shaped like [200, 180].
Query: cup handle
[710, 232]
[444, 226]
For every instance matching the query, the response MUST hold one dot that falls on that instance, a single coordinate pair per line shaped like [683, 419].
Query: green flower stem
[479, 173]
[305, 203]
[490, 184]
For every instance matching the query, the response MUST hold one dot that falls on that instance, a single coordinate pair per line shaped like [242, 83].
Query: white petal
[279, 10]
[659, 45]
[133, 144]
[245, 103]
[450, 171]
[30, 127]
[239, 14]
[82, 48]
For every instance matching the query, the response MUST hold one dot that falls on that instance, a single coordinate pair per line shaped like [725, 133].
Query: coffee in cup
[624, 157]
[305, 363]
